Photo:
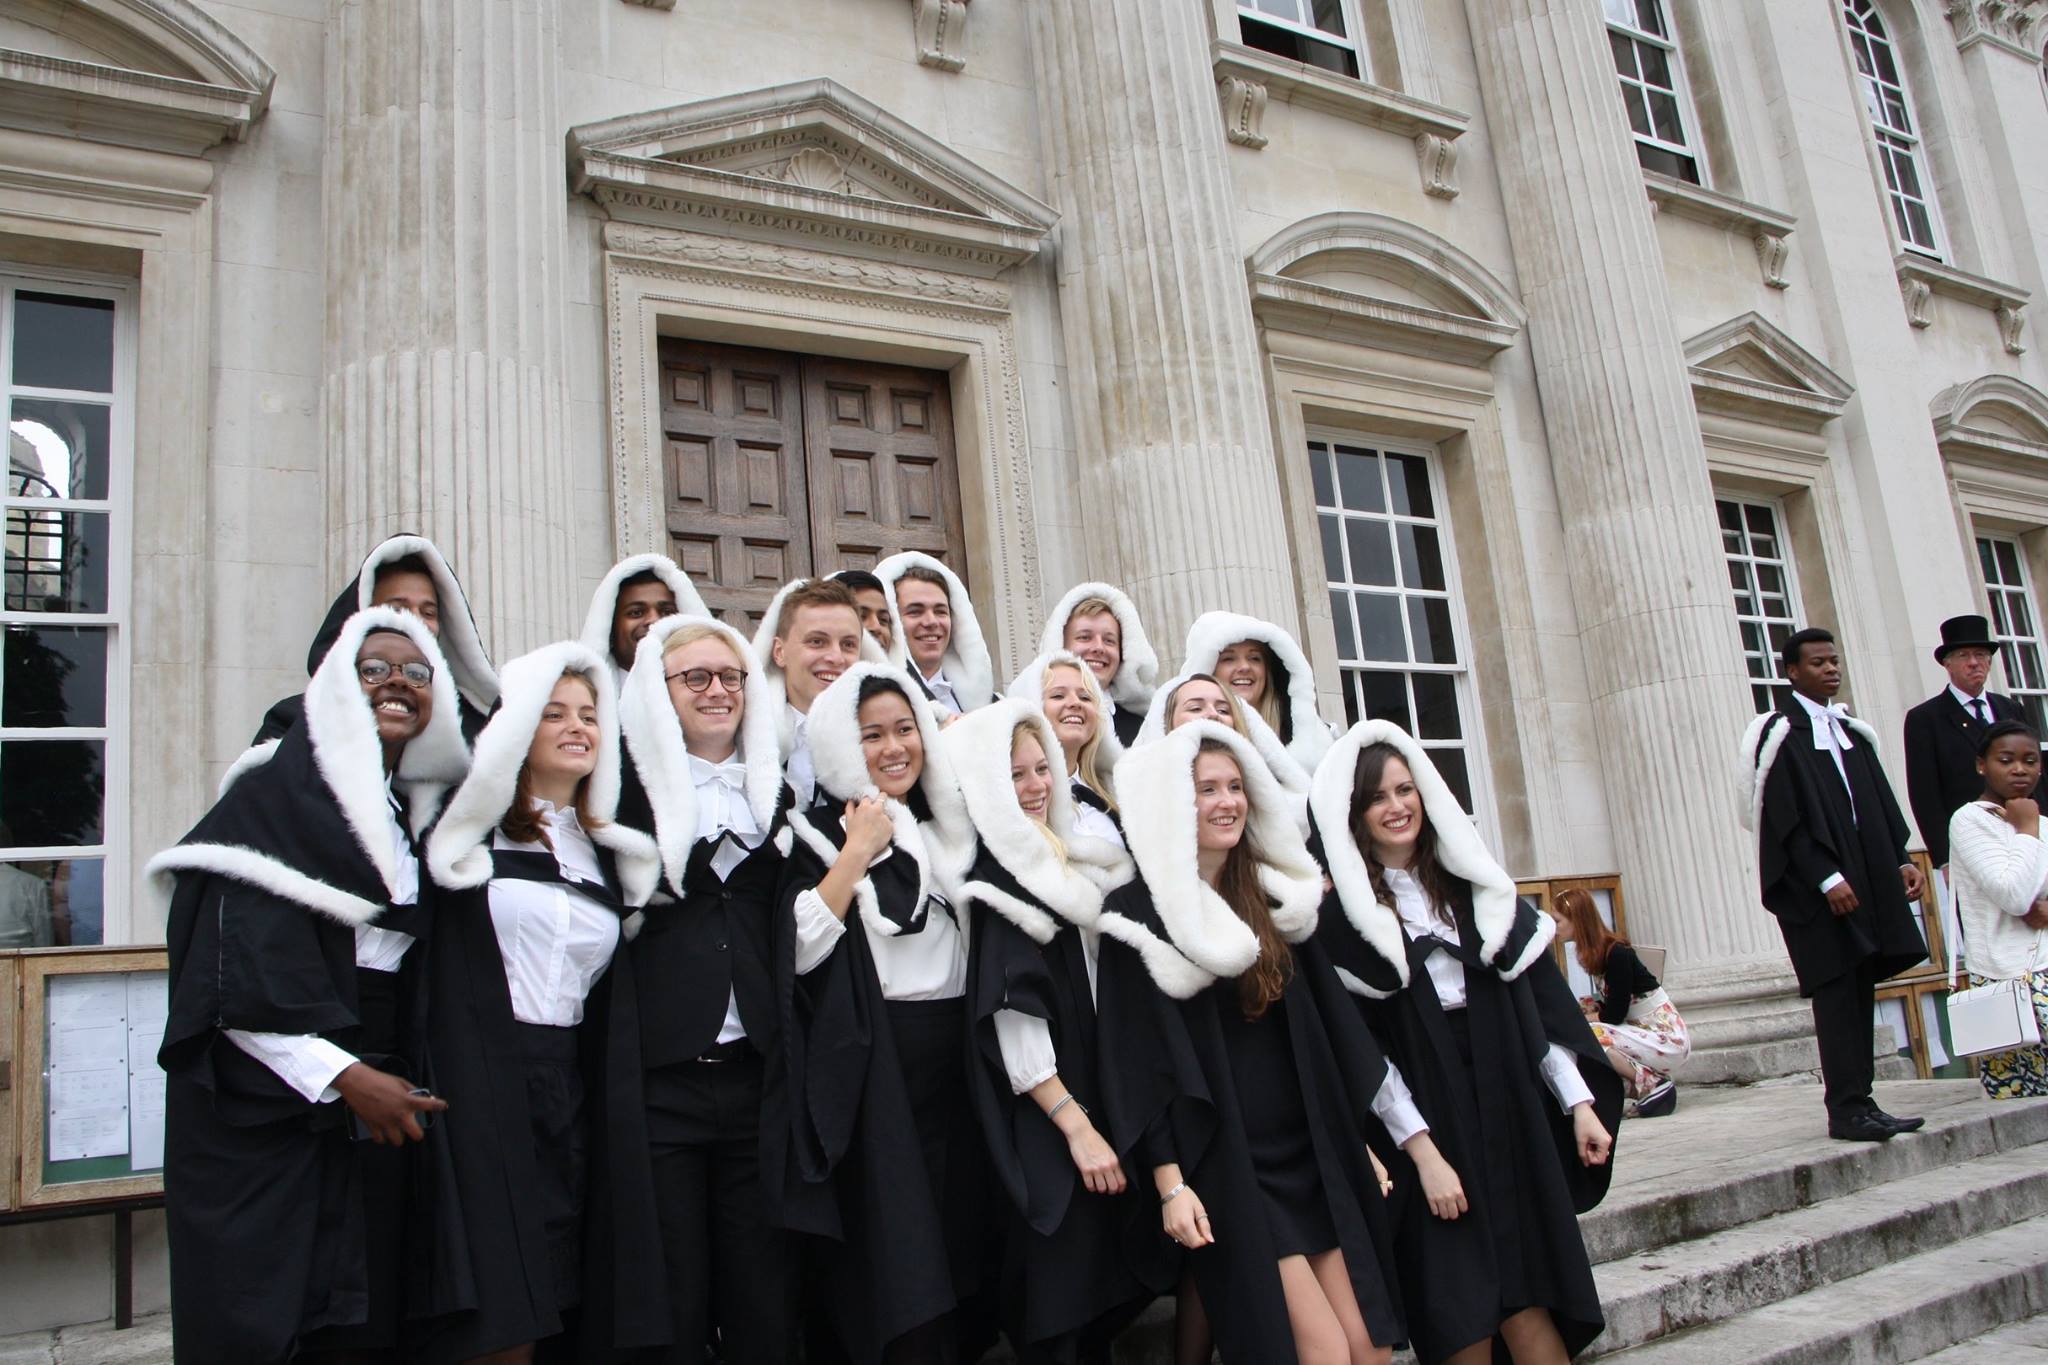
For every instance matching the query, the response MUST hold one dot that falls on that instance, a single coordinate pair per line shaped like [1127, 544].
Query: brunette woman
[1999, 869]
[1202, 696]
[296, 1007]
[1460, 986]
[885, 1164]
[1099, 624]
[1238, 1077]
[534, 1034]
[1264, 667]
[1632, 1017]
[1034, 897]
[1067, 691]
[699, 725]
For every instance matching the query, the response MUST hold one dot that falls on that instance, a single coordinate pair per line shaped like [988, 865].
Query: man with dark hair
[875, 617]
[638, 591]
[810, 635]
[1943, 732]
[1831, 854]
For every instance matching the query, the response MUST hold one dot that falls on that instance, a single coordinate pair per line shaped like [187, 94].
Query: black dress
[1277, 1126]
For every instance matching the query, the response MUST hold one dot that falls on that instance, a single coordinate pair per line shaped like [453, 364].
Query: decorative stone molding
[810, 159]
[1244, 109]
[1921, 278]
[1310, 87]
[1994, 413]
[941, 27]
[174, 80]
[654, 4]
[2015, 25]
[1748, 368]
[1417, 251]
[1766, 227]
[795, 263]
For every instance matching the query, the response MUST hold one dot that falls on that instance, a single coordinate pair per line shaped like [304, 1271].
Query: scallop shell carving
[816, 169]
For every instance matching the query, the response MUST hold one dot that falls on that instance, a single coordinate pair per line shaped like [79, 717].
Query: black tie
[1977, 710]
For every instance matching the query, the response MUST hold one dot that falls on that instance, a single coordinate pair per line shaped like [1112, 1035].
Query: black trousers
[1842, 1010]
[727, 1269]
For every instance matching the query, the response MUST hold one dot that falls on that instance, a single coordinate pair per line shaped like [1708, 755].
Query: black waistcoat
[693, 955]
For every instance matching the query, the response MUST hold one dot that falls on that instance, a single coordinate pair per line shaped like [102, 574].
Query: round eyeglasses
[699, 679]
[416, 675]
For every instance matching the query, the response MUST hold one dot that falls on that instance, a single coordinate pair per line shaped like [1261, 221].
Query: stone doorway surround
[805, 218]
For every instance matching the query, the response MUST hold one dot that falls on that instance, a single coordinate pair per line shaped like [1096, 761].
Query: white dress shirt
[1092, 822]
[1831, 735]
[799, 770]
[1978, 707]
[942, 691]
[556, 941]
[1446, 973]
[928, 965]
[307, 1062]
[723, 814]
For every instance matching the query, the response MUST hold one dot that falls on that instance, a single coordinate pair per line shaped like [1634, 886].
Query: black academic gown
[1941, 761]
[1170, 1095]
[1065, 1272]
[1126, 722]
[1808, 833]
[492, 1278]
[1497, 1124]
[901, 1205]
[275, 1229]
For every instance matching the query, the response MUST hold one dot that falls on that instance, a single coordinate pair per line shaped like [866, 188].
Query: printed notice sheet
[106, 1093]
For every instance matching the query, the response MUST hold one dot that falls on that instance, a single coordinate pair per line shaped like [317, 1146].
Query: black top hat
[1959, 632]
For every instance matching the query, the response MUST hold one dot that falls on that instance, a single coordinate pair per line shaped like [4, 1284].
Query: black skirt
[929, 1037]
[1277, 1129]
[554, 1097]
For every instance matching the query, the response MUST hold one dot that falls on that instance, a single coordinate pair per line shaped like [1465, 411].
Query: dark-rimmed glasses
[699, 679]
[416, 675]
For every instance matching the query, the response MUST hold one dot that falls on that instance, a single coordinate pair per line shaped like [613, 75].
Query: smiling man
[1942, 733]
[637, 592]
[938, 637]
[810, 635]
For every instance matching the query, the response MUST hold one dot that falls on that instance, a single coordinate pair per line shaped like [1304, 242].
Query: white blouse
[556, 941]
[928, 965]
[1090, 821]
[1446, 973]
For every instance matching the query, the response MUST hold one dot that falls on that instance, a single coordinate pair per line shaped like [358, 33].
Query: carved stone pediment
[811, 160]
[1748, 367]
[1995, 419]
[163, 75]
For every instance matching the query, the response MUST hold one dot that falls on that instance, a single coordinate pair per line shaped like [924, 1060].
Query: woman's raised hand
[868, 826]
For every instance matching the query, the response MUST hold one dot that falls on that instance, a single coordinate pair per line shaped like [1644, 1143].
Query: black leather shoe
[1897, 1124]
[1860, 1127]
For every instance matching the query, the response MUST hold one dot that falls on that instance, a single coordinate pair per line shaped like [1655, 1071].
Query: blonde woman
[1264, 667]
[1071, 697]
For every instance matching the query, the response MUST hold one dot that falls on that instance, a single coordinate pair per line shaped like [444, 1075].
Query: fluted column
[1183, 497]
[446, 225]
[1656, 621]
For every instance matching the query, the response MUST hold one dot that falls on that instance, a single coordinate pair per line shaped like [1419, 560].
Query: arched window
[1893, 124]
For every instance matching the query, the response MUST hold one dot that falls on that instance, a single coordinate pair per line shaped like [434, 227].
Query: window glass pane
[1887, 69]
[1329, 16]
[1770, 580]
[2008, 561]
[1919, 227]
[1297, 46]
[56, 561]
[1451, 763]
[1386, 698]
[57, 449]
[1379, 628]
[1624, 50]
[1752, 633]
[1358, 474]
[1333, 550]
[50, 792]
[1656, 66]
[1340, 618]
[63, 342]
[1985, 561]
[1422, 562]
[54, 675]
[1436, 706]
[1650, 17]
[1638, 110]
[1408, 480]
[1319, 469]
[1760, 698]
[1619, 11]
[1429, 622]
[1738, 572]
[1760, 519]
[1372, 555]
[51, 904]
[1664, 112]
[1730, 514]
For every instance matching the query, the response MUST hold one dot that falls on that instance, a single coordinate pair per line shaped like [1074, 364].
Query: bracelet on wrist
[1063, 1102]
[1176, 1192]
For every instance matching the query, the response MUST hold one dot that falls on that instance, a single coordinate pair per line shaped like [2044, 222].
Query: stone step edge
[2012, 1337]
[1903, 1311]
[1776, 1258]
[1633, 1224]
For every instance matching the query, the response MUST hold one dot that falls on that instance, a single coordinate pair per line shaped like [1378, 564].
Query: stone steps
[2018, 1343]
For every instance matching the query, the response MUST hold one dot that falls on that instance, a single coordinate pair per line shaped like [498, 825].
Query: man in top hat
[1942, 733]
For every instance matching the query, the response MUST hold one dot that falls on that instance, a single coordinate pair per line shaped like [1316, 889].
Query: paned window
[1400, 630]
[64, 358]
[1317, 32]
[1766, 598]
[1652, 86]
[2015, 625]
[1899, 149]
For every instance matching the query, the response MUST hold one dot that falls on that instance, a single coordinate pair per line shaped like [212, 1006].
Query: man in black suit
[1942, 733]
[1831, 858]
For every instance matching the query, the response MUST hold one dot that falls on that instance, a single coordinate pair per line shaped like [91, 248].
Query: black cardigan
[1625, 977]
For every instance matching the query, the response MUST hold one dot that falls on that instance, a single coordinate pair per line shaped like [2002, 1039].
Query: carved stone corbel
[1919, 297]
[1244, 110]
[941, 27]
[1438, 157]
[2017, 25]
[1771, 252]
[2012, 319]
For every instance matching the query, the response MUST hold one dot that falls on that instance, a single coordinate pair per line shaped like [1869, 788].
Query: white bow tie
[1836, 715]
[732, 773]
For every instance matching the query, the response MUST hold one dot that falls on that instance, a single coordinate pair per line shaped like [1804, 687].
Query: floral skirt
[2023, 1072]
[1654, 1038]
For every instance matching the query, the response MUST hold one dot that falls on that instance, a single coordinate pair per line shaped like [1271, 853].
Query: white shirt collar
[1829, 728]
[1968, 702]
[722, 799]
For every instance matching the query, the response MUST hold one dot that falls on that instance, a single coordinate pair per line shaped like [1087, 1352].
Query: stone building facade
[1538, 362]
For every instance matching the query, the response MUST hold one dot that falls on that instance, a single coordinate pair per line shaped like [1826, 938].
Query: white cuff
[1831, 883]
[818, 931]
[1028, 1055]
[1395, 1108]
[1561, 1074]
[306, 1062]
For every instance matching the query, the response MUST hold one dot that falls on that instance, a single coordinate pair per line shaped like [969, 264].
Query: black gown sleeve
[1007, 971]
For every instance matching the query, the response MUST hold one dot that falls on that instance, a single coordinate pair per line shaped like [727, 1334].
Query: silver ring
[1201, 1218]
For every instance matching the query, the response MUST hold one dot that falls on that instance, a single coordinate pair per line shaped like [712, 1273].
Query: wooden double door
[780, 465]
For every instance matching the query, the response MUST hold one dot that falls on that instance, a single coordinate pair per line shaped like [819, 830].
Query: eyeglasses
[699, 679]
[417, 676]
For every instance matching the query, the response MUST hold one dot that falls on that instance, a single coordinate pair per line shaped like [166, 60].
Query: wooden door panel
[883, 478]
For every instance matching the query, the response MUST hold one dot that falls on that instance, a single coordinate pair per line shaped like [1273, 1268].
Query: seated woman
[1999, 869]
[293, 1049]
[1265, 669]
[1454, 974]
[534, 1035]
[885, 1162]
[1632, 1017]
[1237, 1074]
[1034, 898]
[1067, 691]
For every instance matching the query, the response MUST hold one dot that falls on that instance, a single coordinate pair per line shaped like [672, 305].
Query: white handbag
[1996, 1017]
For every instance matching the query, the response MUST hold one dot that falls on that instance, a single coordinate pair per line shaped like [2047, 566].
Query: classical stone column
[1182, 498]
[446, 225]
[1656, 622]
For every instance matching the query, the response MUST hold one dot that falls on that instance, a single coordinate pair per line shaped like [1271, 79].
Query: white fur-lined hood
[1459, 850]
[967, 664]
[1761, 741]
[1029, 686]
[1155, 787]
[460, 642]
[772, 673]
[1139, 672]
[596, 635]
[654, 739]
[1289, 773]
[1215, 631]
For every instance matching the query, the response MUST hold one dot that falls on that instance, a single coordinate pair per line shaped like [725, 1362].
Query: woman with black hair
[1264, 668]
[885, 1163]
[1457, 981]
